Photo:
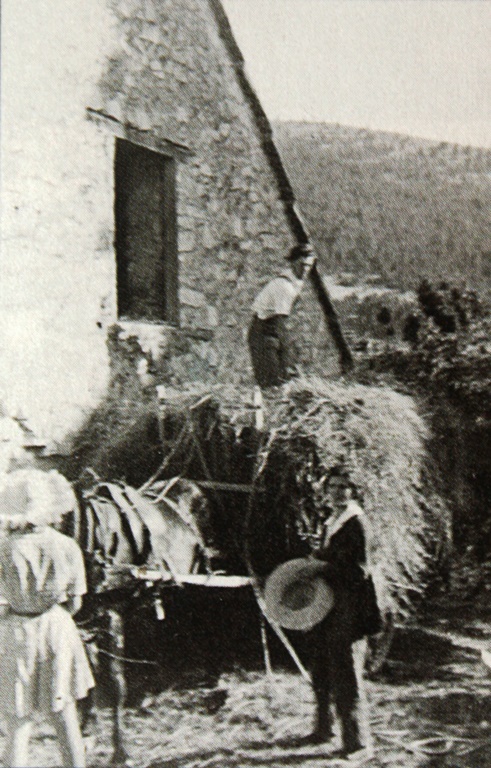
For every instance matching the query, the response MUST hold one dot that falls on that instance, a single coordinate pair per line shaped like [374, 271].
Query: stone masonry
[158, 72]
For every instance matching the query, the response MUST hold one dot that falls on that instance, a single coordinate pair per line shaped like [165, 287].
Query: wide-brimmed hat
[297, 596]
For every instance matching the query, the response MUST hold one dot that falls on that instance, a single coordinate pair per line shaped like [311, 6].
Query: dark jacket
[346, 571]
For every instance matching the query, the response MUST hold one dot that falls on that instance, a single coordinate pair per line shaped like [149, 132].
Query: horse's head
[191, 504]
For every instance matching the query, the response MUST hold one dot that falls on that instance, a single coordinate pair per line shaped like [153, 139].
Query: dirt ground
[430, 707]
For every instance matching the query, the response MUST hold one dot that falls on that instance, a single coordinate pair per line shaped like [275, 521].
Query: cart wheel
[379, 646]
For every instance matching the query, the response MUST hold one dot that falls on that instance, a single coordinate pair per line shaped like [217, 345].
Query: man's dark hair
[299, 251]
[339, 471]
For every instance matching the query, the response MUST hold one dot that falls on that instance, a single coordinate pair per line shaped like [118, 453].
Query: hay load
[211, 435]
[377, 434]
[312, 425]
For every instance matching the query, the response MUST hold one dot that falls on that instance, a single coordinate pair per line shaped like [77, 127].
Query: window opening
[146, 241]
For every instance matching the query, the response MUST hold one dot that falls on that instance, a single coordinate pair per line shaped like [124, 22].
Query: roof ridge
[263, 124]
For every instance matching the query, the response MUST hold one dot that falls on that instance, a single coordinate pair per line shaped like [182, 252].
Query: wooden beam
[331, 319]
[216, 485]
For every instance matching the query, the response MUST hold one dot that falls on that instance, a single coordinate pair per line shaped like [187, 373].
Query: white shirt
[277, 296]
[334, 523]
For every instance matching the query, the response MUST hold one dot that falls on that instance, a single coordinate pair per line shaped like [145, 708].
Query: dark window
[146, 247]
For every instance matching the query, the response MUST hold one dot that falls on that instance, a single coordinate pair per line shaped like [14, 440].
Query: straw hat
[297, 596]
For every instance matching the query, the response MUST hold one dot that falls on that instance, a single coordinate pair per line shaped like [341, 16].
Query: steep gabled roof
[287, 196]
[262, 123]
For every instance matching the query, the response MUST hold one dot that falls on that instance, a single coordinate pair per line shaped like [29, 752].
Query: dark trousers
[337, 677]
[268, 346]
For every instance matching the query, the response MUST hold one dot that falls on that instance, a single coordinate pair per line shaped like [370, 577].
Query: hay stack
[377, 433]
[311, 425]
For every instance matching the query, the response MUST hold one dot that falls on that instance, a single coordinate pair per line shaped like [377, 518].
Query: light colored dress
[43, 664]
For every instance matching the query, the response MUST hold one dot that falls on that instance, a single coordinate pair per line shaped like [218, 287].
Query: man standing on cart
[268, 337]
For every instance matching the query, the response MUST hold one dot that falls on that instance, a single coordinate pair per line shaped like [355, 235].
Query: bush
[447, 363]
[449, 353]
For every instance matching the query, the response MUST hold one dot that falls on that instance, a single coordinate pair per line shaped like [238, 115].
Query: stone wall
[158, 73]
[57, 259]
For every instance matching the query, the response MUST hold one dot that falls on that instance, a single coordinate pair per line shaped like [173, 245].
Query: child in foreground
[43, 665]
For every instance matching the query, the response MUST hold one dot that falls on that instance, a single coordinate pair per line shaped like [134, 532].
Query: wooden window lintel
[145, 139]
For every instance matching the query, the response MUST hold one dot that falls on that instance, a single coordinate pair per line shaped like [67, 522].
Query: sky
[418, 67]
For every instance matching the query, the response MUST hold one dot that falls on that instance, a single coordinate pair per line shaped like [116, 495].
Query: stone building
[144, 203]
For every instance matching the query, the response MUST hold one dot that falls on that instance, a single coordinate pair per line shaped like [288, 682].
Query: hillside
[391, 205]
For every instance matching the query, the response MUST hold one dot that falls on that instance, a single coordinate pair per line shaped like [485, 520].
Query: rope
[125, 658]
[259, 597]
[437, 744]
[178, 444]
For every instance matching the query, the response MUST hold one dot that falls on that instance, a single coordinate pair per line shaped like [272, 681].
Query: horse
[123, 532]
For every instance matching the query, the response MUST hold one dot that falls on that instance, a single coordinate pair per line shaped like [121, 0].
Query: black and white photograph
[245, 384]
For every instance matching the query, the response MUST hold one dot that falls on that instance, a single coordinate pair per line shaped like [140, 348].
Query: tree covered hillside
[400, 207]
